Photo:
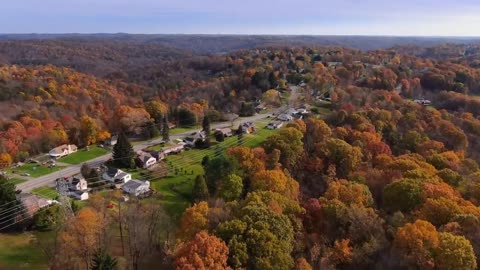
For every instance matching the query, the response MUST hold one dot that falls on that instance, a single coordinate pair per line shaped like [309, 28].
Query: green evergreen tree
[165, 130]
[200, 190]
[123, 152]
[206, 125]
[151, 130]
[103, 261]
[8, 201]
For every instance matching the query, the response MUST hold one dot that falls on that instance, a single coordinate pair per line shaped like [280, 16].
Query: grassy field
[46, 192]
[17, 181]
[83, 155]
[35, 170]
[18, 252]
[178, 130]
[176, 188]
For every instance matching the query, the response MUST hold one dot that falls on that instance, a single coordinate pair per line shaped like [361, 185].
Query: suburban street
[49, 179]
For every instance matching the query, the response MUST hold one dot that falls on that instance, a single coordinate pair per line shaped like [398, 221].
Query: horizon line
[232, 34]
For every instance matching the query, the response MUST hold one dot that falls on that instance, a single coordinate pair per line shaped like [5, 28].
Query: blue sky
[309, 17]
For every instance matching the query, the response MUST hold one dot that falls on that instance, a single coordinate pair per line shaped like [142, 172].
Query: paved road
[49, 179]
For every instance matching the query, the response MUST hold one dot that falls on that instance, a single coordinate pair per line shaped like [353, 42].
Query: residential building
[194, 137]
[275, 125]
[145, 160]
[248, 127]
[116, 176]
[424, 102]
[136, 187]
[111, 141]
[285, 117]
[174, 149]
[227, 132]
[76, 183]
[32, 203]
[63, 150]
[158, 155]
[80, 195]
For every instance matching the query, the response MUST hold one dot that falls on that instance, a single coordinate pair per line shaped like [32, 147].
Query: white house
[285, 117]
[196, 136]
[173, 149]
[227, 132]
[111, 141]
[424, 102]
[145, 160]
[275, 125]
[136, 187]
[63, 150]
[116, 176]
[248, 127]
[80, 195]
[77, 182]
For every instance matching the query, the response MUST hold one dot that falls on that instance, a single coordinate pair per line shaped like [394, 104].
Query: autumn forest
[383, 172]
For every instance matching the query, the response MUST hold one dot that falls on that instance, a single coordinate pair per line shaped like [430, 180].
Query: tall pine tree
[200, 190]
[165, 130]
[103, 261]
[123, 153]
[206, 129]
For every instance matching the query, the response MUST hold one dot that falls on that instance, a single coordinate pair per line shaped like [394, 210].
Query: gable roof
[112, 172]
[134, 184]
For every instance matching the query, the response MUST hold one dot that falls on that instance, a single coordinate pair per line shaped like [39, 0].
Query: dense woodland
[380, 183]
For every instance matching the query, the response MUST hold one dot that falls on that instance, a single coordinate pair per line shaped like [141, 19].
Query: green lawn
[46, 192]
[178, 130]
[18, 252]
[83, 155]
[17, 181]
[35, 170]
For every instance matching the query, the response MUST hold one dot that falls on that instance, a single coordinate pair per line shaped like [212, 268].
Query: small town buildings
[274, 125]
[136, 187]
[227, 132]
[62, 150]
[145, 160]
[116, 176]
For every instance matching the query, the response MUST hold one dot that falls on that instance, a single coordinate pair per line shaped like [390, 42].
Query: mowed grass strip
[46, 192]
[34, 169]
[83, 155]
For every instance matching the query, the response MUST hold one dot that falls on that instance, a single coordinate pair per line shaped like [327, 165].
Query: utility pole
[63, 198]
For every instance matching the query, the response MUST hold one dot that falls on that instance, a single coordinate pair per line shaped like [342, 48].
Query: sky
[278, 17]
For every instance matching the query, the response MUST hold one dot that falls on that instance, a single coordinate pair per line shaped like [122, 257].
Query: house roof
[32, 202]
[144, 156]
[112, 172]
[61, 148]
[134, 184]
[122, 174]
[224, 130]
[77, 178]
